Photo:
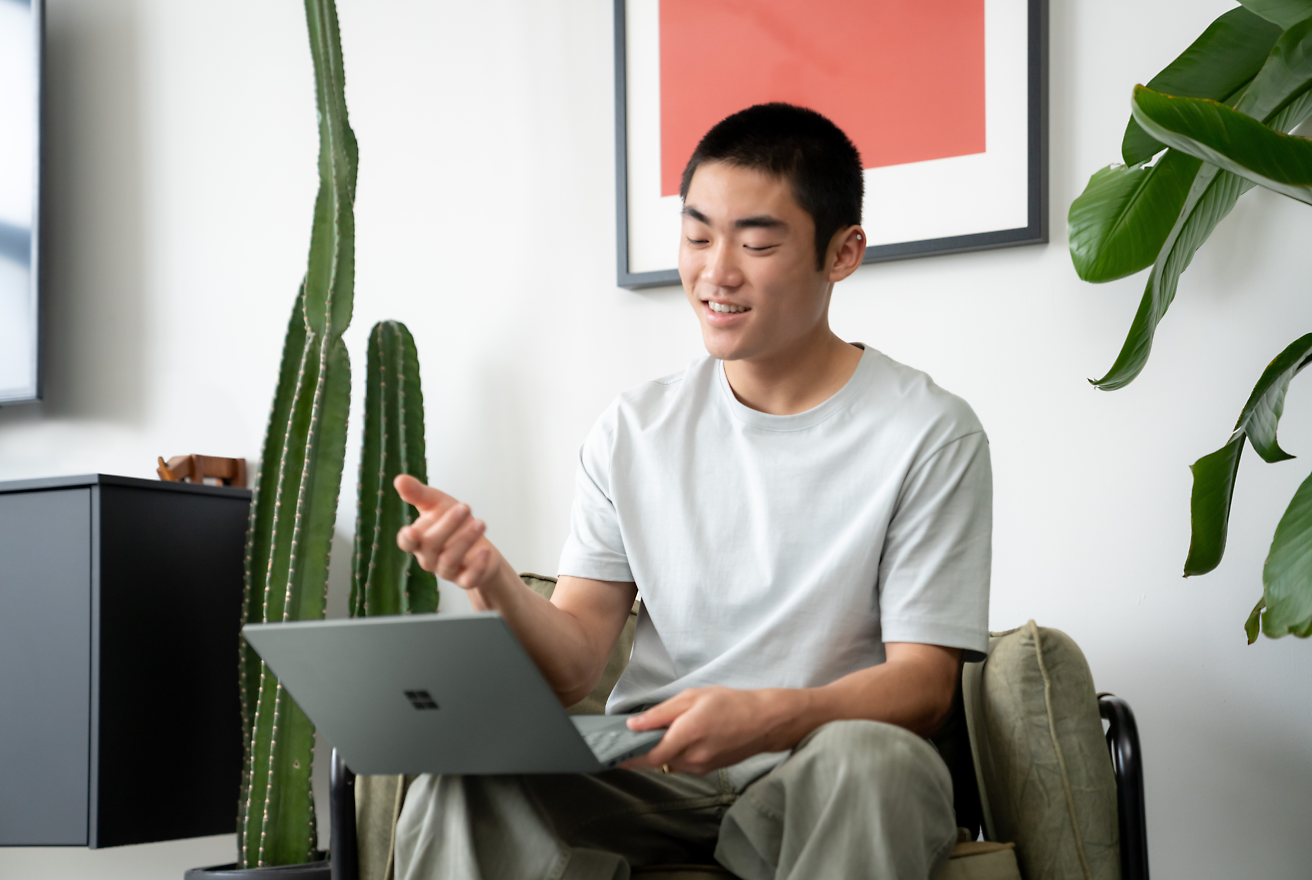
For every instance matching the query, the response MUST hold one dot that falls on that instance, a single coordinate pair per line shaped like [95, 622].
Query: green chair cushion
[1044, 773]
[981, 861]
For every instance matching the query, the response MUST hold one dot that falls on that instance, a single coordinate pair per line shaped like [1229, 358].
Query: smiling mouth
[725, 308]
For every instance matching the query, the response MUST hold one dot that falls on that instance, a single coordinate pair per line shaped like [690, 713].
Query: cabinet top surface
[79, 480]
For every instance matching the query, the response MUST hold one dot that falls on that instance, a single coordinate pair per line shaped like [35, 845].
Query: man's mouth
[725, 308]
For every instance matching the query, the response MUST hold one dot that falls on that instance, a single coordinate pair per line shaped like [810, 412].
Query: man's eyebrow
[760, 221]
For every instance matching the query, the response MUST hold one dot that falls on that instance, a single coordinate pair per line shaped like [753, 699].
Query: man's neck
[794, 380]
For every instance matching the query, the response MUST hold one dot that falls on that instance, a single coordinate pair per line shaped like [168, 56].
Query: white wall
[181, 179]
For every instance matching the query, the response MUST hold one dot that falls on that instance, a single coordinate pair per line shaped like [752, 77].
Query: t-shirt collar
[807, 418]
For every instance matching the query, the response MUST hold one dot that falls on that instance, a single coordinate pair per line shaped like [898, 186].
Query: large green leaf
[1261, 415]
[1209, 506]
[1214, 474]
[1287, 575]
[1120, 222]
[1236, 142]
[1281, 98]
[1284, 78]
[1212, 195]
[1285, 13]
[1217, 65]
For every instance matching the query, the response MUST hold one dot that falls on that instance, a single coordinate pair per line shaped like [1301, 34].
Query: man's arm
[569, 637]
[715, 727]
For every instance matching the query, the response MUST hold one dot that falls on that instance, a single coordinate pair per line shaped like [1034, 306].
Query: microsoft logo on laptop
[421, 699]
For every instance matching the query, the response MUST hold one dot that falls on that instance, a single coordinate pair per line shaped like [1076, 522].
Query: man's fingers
[428, 543]
[666, 752]
[433, 539]
[452, 558]
[408, 537]
[414, 532]
[479, 563]
[444, 538]
[662, 714]
[423, 497]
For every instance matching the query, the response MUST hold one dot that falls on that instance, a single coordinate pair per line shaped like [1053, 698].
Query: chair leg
[1127, 764]
[345, 858]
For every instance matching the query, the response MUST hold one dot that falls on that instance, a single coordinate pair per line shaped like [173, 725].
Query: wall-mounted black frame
[1034, 232]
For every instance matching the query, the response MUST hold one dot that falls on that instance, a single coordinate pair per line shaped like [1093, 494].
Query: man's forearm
[915, 693]
[553, 638]
[564, 642]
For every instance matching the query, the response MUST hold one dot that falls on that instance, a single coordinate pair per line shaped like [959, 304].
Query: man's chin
[721, 351]
[724, 346]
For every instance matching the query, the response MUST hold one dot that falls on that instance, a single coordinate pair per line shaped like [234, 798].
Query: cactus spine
[386, 579]
[294, 503]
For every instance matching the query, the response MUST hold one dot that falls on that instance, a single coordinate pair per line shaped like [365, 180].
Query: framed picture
[946, 101]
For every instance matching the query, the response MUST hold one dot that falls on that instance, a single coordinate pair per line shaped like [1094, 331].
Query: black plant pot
[320, 870]
[343, 847]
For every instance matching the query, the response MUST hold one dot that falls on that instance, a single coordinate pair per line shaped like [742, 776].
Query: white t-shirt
[784, 551]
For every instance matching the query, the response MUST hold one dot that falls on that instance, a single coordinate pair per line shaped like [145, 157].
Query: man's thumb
[416, 493]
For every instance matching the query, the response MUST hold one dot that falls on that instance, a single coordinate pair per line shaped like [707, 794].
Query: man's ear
[846, 251]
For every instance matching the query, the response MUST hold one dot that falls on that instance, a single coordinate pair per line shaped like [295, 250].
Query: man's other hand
[712, 727]
[446, 539]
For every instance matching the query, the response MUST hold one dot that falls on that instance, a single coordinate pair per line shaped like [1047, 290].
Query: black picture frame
[1034, 232]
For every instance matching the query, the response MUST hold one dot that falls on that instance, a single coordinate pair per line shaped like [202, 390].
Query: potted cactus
[294, 501]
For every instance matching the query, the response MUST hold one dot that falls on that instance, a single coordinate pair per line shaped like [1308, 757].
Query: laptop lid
[424, 693]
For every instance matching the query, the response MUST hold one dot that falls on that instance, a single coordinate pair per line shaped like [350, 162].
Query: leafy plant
[294, 502]
[1203, 132]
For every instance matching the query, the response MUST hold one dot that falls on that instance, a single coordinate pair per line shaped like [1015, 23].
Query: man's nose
[722, 268]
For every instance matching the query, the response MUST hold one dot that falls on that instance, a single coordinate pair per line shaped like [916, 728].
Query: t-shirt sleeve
[595, 546]
[935, 568]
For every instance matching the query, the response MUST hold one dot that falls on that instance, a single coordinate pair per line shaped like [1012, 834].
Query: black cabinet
[120, 606]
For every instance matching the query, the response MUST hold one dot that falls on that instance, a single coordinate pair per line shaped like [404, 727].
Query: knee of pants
[868, 753]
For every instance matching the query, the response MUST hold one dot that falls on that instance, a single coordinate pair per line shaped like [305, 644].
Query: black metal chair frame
[1127, 764]
[344, 854]
[1122, 742]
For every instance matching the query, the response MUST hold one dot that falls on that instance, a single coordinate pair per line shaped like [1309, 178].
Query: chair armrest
[1127, 764]
[343, 853]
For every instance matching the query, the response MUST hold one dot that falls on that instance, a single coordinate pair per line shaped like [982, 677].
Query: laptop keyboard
[608, 745]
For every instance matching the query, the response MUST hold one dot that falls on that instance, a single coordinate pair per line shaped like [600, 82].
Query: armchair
[1050, 804]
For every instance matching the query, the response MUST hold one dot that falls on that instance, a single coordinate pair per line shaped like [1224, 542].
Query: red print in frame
[903, 78]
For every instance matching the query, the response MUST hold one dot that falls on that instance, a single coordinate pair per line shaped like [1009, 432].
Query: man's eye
[760, 248]
[696, 241]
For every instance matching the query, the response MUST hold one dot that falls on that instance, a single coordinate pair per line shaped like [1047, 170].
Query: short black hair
[800, 146]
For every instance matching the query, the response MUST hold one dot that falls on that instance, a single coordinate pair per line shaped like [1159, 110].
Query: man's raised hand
[446, 539]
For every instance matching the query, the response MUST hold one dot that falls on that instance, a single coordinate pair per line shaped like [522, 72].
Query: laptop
[436, 693]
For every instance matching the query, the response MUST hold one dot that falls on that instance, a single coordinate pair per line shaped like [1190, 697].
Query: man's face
[747, 263]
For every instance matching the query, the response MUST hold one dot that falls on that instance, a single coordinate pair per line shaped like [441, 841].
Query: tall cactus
[386, 579]
[294, 503]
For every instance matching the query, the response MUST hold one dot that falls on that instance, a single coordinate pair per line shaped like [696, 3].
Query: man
[808, 526]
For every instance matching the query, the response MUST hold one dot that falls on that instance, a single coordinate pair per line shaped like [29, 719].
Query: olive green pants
[854, 799]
